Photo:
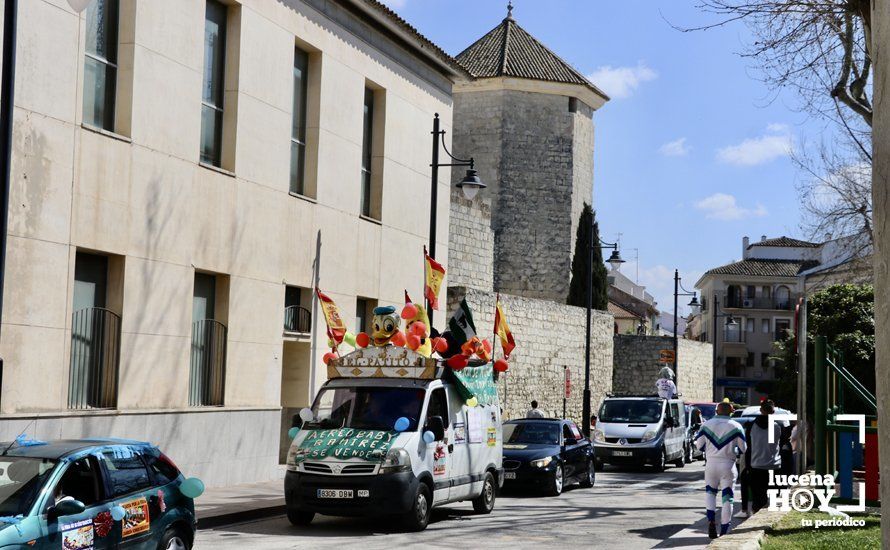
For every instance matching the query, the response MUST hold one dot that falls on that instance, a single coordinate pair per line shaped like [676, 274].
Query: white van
[363, 448]
[640, 430]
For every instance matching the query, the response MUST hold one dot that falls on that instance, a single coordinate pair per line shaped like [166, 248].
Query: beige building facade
[184, 173]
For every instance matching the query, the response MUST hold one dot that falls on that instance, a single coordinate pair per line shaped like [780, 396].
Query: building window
[764, 326]
[733, 367]
[749, 325]
[208, 353]
[213, 87]
[95, 335]
[367, 150]
[297, 317]
[298, 129]
[100, 64]
[364, 310]
[783, 328]
[749, 362]
[765, 361]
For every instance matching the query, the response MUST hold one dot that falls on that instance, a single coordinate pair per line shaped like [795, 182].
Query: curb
[749, 534]
[211, 522]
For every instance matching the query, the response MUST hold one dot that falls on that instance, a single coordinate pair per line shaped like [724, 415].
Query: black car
[546, 454]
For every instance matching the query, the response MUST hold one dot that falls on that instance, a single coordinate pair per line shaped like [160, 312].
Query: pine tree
[578, 289]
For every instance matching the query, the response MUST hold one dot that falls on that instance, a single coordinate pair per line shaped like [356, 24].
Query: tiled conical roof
[509, 50]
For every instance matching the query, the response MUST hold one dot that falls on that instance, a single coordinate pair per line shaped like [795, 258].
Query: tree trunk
[881, 198]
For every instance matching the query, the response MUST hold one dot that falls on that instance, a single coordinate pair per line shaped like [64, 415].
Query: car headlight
[650, 434]
[542, 462]
[396, 460]
[599, 435]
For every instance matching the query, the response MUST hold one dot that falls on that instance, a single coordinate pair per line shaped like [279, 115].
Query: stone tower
[527, 119]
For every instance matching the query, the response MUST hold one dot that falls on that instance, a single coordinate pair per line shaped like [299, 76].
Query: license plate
[509, 475]
[622, 453]
[335, 493]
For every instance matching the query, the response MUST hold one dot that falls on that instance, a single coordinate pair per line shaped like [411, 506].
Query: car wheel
[556, 483]
[419, 516]
[484, 503]
[300, 518]
[661, 462]
[590, 478]
[175, 539]
[598, 465]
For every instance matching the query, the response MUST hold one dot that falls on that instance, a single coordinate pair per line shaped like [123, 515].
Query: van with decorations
[401, 426]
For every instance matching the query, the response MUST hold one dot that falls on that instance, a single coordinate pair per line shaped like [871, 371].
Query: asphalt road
[625, 509]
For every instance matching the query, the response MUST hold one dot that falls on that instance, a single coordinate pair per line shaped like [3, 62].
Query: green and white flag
[461, 323]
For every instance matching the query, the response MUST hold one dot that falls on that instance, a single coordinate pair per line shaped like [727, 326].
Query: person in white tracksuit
[722, 440]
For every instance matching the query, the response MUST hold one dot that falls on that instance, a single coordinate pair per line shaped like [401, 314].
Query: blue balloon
[428, 437]
[402, 424]
[192, 487]
[292, 433]
[118, 513]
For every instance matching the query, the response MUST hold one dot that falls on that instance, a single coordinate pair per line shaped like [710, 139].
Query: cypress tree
[578, 288]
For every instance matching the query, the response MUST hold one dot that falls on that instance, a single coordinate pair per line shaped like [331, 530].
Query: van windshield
[630, 411]
[367, 408]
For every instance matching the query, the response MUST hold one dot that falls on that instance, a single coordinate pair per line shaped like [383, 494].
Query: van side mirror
[436, 425]
[68, 507]
[670, 422]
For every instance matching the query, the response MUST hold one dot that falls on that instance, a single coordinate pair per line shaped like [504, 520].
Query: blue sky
[691, 153]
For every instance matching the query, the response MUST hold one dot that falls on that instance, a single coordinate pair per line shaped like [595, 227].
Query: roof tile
[764, 268]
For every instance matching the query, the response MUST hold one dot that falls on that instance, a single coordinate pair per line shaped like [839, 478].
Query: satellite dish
[79, 5]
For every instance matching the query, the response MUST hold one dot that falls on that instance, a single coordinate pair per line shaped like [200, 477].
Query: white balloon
[79, 5]
[306, 415]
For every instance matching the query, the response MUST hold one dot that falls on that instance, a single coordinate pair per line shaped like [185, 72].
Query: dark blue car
[546, 454]
[96, 494]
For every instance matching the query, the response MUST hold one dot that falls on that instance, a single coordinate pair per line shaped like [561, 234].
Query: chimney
[745, 242]
[762, 238]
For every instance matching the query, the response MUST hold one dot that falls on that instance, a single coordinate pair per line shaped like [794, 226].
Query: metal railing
[297, 319]
[758, 303]
[95, 359]
[208, 363]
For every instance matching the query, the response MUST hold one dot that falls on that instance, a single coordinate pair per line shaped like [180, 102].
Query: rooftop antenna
[16, 440]
[637, 263]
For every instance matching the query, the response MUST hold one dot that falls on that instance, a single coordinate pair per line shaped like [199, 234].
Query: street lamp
[730, 322]
[469, 185]
[693, 304]
[615, 261]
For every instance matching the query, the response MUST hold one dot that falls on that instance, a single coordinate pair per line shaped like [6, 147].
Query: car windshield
[531, 433]
[708, 411]
[631, 411]
[21, 479]
[367, 408]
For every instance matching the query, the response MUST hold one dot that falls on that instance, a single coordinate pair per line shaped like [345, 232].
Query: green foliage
[578, 287]
[844, 314]
[790, 533]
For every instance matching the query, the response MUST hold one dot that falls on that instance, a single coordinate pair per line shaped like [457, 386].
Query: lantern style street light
[694, 305]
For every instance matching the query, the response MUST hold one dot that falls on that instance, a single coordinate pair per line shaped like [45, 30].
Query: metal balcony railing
[758, 303]
[297, 319]
[208, 363]
[95, 359]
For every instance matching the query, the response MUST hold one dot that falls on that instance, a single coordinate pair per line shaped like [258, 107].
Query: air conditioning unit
[748, 303]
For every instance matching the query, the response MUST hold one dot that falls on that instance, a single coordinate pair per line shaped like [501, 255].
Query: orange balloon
[362, 340]
[501, 365]
[328, 357]
[398, 339]
[413, 342]
[441, 345]
[418, 329]
[409, 311]
[457, 362]
[486, 345]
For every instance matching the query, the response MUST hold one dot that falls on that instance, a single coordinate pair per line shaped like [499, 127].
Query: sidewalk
[219, 506]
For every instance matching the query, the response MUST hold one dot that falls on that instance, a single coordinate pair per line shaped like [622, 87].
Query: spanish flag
[502, 329]
[336, 327]
[433, 273]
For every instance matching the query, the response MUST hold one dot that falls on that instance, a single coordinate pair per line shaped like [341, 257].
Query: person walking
[763, 456]
[722, 440]
[535, 412]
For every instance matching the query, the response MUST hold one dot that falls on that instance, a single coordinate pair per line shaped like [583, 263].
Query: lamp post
[694, 305]
[730, 321]
[470, 185]
[615, 261]
[7, 101]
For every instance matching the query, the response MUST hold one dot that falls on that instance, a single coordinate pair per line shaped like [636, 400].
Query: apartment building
[184, 173]
[746, 307]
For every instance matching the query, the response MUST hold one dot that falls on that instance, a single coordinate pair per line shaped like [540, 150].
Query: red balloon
[398, 339]
[328, 357]
[409, 311]
[418, 329]
[362, 340]
[413, 342]
[486, 345]
[441, 345]
[501, 365]
[457, 362]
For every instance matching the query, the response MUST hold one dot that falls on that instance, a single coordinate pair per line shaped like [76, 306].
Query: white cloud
[721, 206]
[676, 148]
[659, 282]
[777, 142]
[620, 82]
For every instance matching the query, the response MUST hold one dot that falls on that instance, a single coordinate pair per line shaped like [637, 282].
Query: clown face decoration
[384, 325]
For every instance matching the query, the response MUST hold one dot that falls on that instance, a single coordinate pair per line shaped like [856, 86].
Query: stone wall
[549, 337]
[470, 243]
[636, 366]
